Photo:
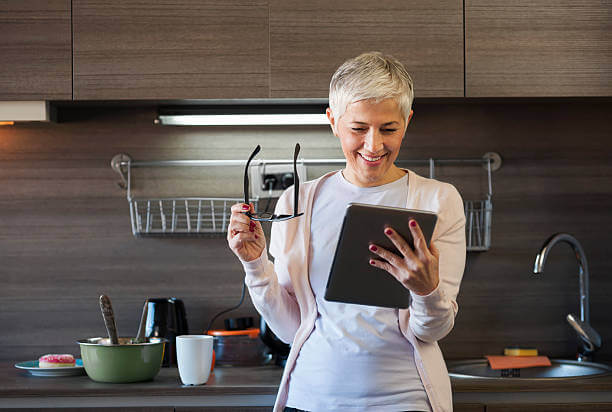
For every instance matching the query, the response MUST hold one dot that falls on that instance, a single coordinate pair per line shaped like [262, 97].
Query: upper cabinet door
[538, 48]
[310, 39]
[35, 55]
[176, 49]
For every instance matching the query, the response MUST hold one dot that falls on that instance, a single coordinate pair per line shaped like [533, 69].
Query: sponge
[519, 351]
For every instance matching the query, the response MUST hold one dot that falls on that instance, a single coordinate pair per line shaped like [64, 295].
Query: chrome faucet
[589, 338]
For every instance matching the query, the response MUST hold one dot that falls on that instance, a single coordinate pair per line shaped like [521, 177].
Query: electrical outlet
[270, 180]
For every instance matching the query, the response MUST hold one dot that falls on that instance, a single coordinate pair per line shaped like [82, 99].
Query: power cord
[227, 310]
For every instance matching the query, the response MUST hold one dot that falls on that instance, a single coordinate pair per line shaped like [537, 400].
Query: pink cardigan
[281, 291]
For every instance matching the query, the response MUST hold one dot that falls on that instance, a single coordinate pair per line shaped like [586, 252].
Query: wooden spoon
[109, 319]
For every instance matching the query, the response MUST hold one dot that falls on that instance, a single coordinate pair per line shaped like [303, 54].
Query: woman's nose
[373, 141]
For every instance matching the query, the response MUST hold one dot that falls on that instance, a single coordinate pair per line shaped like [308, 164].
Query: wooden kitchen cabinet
[176, 49]
[538, 48]
[95, 409]
[223, 409]
[550, 407]
[310, 39]
[468, 407]
[35, 50]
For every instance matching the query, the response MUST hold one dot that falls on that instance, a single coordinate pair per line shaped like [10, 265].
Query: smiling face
[371, 135]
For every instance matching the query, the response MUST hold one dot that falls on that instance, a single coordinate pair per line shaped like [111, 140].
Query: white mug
[194, 356]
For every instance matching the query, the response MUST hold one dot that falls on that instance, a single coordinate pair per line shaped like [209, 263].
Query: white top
[282, 294]
[356, 358]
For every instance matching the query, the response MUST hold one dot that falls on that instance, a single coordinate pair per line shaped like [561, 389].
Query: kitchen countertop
[227, 386]
[257, 386]
[224, 380]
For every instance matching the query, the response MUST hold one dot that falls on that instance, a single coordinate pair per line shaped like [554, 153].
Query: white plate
[32, 367]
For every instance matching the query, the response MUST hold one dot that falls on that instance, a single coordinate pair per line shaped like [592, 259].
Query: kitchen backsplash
[65, 234]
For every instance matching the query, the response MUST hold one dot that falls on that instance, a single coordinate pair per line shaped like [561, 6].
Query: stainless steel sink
[560, 369]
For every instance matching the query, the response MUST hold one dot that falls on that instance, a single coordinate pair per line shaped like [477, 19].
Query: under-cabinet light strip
[244, 120]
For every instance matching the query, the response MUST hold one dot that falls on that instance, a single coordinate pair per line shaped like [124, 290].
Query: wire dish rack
[194, 216]
[175, 216]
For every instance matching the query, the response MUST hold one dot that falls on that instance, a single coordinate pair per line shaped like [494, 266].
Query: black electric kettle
[166, 318]
[278, 348]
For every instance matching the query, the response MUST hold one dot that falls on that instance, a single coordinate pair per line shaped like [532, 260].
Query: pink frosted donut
[55, 361]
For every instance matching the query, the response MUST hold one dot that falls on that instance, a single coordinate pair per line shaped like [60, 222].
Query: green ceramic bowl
[122, 363]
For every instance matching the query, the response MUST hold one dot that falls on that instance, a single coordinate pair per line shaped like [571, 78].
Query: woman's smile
[371, 160]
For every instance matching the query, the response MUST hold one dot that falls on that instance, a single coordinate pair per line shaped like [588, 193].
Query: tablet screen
[352, 279]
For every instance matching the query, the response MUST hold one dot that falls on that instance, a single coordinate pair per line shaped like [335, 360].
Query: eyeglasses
[269, 217]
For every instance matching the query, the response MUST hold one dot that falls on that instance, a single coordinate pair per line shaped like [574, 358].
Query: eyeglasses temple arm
[296, 180]
[246, 174]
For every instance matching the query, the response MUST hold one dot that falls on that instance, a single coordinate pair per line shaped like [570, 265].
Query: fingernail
[256, 237]
[373, 248]
[252, 224]
[388, 231]
[372, 262]
[413, 223]
[245, 207]
[251, 229]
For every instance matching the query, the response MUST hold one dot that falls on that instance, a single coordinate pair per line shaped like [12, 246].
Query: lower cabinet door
[95, 409]
[469, 407]
[223, 409]
[551, 407]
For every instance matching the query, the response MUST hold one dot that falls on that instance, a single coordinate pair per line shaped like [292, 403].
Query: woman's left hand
[417, 270]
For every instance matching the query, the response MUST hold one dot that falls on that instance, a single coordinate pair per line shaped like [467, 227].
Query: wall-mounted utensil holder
[478, 224]
[188, 216]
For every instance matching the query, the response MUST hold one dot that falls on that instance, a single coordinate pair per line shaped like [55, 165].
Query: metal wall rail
[122, 162]
[208, 215]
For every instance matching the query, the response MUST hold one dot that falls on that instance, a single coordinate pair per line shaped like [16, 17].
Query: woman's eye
[358, 129]
[389, 130]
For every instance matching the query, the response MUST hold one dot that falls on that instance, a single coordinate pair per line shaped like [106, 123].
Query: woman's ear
[332, 120]
[407, 122]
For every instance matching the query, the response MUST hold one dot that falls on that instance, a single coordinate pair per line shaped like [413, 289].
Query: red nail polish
[251, 229]
[245, 207]
[413, 223]
[371, 262]
[256, 237]
[373, 248]
[389, 231]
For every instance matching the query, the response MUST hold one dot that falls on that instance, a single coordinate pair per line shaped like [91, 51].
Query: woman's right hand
[245, 236]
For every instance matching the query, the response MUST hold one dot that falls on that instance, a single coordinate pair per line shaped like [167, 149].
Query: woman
[356, 357]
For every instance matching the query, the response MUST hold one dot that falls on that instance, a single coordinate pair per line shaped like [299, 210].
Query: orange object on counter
[252, 333]
[517, 362]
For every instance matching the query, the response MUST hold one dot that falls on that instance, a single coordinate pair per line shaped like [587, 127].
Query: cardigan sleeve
[270, 284]
[432, 317]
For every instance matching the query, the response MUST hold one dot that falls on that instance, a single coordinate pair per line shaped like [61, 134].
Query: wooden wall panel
[35, 50]
[65, 235]
[538, 48]
[309, 40]
[150, 50]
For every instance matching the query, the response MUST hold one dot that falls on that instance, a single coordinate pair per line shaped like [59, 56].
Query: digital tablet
[352, 279]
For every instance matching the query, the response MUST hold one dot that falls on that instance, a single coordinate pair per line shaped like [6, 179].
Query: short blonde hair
[374, 76]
